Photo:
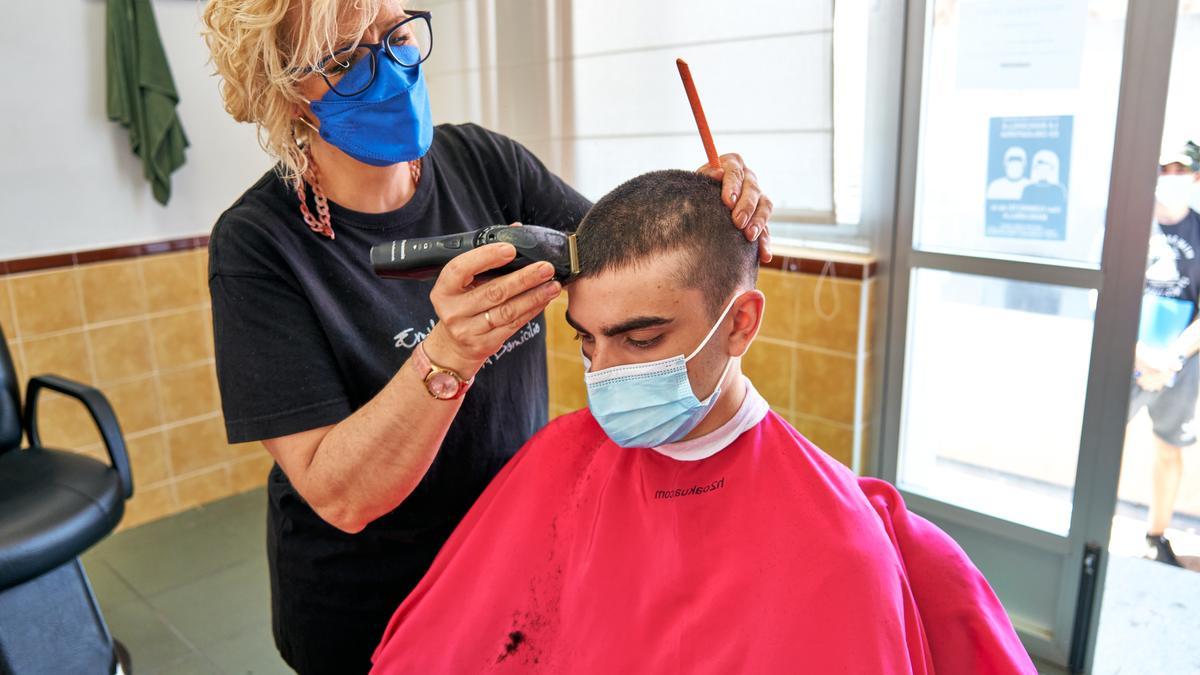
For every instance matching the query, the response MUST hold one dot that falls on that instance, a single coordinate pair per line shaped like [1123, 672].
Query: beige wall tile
[6, 314]
[770, 366]
[65, 423]
[136, 403]
[197, 446]
[204, 488]
[46, 302]
[560, 337]
[96, 451]
[567, 390]
[200, 256]
[867, 384]
[825, 385]
[121, 351]
[188, 392]
[836, 440]
[18, 361]
[148, 455]
[172, 281]
[780, 319]
[148, 505]
[251, 449]
[250, 472]
[871, 290]
[65, 355]
[829, 313]
[112, 291]
[180, 339]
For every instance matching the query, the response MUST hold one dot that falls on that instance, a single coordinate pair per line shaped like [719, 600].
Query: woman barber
[355, 384]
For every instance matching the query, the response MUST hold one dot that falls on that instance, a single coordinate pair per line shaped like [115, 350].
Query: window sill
[845, 261]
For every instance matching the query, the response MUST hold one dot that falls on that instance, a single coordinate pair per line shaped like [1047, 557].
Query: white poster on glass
[1020, 44]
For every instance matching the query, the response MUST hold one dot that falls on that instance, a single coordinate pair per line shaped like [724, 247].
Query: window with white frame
[592, 89]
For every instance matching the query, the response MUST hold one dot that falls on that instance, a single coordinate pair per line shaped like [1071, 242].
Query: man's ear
[747, 314]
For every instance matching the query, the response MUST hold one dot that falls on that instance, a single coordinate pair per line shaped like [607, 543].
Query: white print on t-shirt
[409, 338]
[530, 331]
[1162, 273]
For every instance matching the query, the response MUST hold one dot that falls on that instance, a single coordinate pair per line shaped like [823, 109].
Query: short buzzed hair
[666, 211]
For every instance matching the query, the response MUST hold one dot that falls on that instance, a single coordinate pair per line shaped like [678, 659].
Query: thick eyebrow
[635, 323]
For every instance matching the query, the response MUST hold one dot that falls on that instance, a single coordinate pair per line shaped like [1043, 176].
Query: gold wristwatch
[442, 383]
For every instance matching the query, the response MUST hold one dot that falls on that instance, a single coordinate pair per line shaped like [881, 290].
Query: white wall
[68, 179]
[592, 89]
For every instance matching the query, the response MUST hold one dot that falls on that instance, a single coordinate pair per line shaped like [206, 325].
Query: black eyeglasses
[408, 43]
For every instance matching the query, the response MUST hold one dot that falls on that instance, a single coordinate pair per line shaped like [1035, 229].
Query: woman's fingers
[496, 291]
[744, 210]
[764, 248]
[461, 271]
[477, 318]
[499, 322]
[733, 178]
[740, 191]
[715, 174]
[732, 174]
[762, 213]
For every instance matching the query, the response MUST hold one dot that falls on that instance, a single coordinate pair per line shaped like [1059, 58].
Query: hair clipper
[424, 258]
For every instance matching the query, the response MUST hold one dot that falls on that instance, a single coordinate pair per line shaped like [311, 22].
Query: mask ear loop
[713, 330]
[728, 361]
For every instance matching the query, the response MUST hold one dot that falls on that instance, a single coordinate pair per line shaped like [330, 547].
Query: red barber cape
[768, 557]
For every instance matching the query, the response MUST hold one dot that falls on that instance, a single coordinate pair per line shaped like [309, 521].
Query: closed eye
[642, 344]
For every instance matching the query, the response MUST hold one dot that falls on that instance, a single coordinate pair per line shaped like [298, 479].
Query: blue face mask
[645, 405]
[386, 124]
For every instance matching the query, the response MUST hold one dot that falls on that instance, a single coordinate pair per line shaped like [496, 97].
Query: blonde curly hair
[262, 48]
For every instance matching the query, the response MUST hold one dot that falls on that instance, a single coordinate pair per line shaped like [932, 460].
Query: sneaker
[1160, 550]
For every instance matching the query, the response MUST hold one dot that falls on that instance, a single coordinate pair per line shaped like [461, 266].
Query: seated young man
[678, 525]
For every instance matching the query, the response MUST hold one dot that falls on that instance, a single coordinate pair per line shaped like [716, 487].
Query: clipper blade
[573, 248]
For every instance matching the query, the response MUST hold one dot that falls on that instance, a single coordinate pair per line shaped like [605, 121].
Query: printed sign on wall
[1028, 174]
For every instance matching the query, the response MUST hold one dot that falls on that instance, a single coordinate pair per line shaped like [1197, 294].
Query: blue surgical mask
[386, 124]
[645, 405]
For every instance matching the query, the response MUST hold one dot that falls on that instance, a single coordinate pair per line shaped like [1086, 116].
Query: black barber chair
[54, 505]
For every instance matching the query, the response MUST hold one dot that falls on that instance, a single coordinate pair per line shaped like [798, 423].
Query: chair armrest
[102, 414]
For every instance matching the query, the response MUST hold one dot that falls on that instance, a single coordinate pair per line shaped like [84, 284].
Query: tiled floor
[189, 594]
[1149, 620]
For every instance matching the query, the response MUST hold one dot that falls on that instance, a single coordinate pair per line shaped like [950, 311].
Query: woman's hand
[474, 320]
[751, 208]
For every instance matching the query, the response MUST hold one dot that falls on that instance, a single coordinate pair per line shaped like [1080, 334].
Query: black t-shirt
[306, 333]
[1174, 265]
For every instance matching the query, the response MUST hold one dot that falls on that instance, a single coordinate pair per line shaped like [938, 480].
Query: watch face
[442, 385]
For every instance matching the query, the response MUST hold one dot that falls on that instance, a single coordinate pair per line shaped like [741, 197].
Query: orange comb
[685, 74]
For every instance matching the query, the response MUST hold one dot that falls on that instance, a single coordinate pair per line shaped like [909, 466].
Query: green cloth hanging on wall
[141, 92]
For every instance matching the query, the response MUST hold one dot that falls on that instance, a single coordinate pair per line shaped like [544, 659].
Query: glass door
[1029, 143]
